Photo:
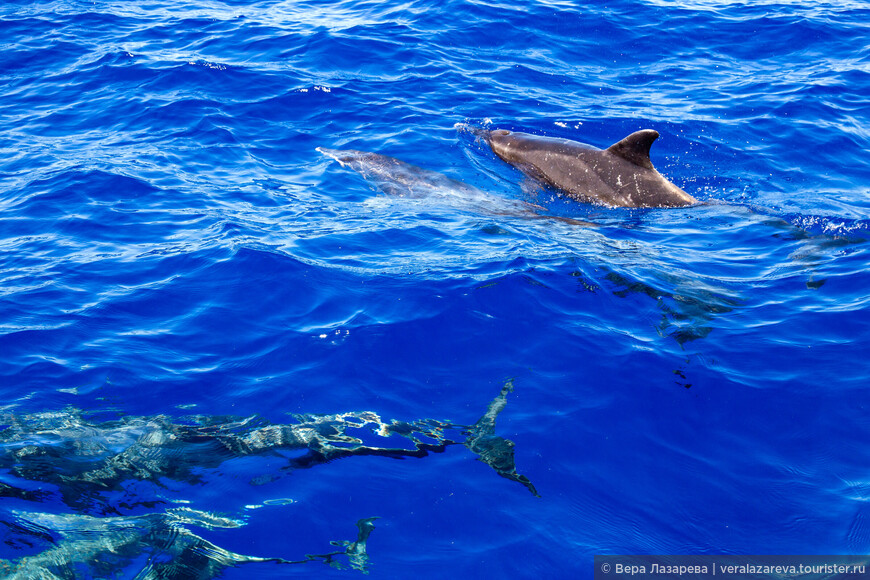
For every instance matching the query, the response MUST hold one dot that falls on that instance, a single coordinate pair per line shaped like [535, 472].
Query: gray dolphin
[401, 179]
[619, 176]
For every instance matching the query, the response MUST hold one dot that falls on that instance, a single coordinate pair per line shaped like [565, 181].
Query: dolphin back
[620, 176]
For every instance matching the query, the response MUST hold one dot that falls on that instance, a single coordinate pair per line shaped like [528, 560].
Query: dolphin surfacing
[620, 176]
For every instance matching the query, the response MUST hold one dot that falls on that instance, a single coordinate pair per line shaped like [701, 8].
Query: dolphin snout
[501, 143]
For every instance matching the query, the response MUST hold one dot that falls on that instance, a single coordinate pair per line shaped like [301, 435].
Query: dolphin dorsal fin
[635, 147]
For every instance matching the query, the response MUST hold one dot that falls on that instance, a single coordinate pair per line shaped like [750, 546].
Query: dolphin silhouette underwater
[401, 179]
[620, 176]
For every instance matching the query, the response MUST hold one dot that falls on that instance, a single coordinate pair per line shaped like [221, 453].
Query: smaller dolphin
[620, 176]
[401, 179]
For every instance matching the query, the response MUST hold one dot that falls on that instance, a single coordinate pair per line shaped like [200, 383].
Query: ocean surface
[224, 354]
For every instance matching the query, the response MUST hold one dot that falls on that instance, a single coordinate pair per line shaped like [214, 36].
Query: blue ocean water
[198, 308]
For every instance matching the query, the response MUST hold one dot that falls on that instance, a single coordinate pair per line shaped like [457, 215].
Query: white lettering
[630, 570]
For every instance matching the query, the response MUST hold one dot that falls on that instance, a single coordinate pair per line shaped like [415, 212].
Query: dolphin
[157, 545]
[65, 450]
[620, 176]
[401, 179]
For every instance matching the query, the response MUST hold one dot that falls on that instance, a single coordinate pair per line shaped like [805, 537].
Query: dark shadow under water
[87, 463]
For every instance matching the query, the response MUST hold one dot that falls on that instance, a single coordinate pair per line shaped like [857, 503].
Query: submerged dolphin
[402, 179]
[619, 176]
